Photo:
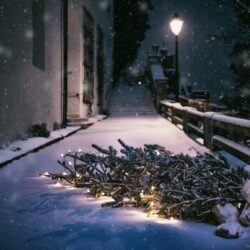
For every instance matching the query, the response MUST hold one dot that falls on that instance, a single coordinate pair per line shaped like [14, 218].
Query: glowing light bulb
[64, 173]
[152, 188]
[176, 24]
[70, 163]
[62, 155]
[102, 193]
[171, 218]
[78, 175]
[142, 194]
[79, 150]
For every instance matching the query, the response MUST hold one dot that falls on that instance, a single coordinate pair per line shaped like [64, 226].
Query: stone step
[80, 124]
[132, 101]
[83, 119]
[73, 115]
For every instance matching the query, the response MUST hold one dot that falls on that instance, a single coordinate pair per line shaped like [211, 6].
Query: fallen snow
[157, 72]
[246, 191]
[30, 144]
[232, 227]
[237, 146]
[232, 120]
[226, 213]
[37, 213]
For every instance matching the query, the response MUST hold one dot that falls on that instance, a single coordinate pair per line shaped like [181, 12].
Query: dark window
[100, 67]
[38, 12]
[88, 58]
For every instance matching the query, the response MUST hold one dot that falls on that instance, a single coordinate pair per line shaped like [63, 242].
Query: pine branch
[169, 185]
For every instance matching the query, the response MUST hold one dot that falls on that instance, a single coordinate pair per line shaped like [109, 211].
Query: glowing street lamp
[176, 26]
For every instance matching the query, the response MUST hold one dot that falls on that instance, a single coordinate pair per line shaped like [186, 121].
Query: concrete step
[132, 101]
[77, 119]
[73, 115]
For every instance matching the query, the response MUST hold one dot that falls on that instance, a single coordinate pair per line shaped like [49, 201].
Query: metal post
[177, 69]
[65, 59]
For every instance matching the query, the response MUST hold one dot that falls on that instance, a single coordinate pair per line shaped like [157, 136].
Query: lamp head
[176, 24]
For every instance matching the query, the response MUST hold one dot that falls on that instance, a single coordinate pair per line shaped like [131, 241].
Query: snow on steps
[84, 122]
[134, 100]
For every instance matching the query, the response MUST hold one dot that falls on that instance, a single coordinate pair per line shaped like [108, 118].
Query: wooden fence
[217, 130]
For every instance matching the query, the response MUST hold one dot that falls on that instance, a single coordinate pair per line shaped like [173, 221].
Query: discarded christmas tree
[166, 184]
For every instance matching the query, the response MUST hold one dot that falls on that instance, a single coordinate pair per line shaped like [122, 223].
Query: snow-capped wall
[29, 94]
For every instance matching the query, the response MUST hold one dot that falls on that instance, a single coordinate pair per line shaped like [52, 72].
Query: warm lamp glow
[176, 24]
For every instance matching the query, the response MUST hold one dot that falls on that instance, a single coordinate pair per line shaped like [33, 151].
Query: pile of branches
[166, 184]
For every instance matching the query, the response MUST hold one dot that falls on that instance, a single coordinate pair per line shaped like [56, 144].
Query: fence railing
[218, 131]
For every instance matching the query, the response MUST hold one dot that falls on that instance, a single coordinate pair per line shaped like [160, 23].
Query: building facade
[55, 62]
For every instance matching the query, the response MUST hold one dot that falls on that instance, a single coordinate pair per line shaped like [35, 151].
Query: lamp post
[176, 26]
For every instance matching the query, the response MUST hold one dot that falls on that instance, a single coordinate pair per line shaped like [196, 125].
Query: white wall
[28, 95]
[104, 19]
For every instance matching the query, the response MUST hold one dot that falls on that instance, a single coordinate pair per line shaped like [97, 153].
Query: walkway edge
[35, 149]
[52, 141]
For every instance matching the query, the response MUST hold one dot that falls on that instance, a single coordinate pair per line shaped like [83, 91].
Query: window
[38, 12]
[88, 57]
[100, 67]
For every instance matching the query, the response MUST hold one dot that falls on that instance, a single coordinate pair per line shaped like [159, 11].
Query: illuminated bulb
[102, 193]
[79, 150]
[64, 173]
[239, 205]
[46, 173]
[152, 188]
[62, 155]
[70, 163]
[176, 24]
[142, 194]
[78, 175]
[171, 218]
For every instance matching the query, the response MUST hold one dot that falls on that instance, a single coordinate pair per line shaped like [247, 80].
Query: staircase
[75, 120]
[134, 100]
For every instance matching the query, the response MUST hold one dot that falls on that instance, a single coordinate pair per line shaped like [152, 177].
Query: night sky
[203, 58]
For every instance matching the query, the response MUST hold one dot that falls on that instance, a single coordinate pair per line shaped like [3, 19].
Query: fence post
[208, 129]
[185, 119]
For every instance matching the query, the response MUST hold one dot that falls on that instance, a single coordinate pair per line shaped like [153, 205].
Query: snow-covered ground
[22, 147]
[37, 213]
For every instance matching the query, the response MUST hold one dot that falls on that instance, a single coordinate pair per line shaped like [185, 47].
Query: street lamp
[176, 26]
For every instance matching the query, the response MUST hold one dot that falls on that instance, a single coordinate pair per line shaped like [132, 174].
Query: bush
[39, 130]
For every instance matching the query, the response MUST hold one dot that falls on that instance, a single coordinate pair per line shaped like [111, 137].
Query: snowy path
[36, 213]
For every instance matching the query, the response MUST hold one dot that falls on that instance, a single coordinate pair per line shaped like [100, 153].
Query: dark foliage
[131, 21]
[239, 36]
[39, 130]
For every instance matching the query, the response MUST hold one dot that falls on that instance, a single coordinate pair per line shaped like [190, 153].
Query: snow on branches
[166, 184]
